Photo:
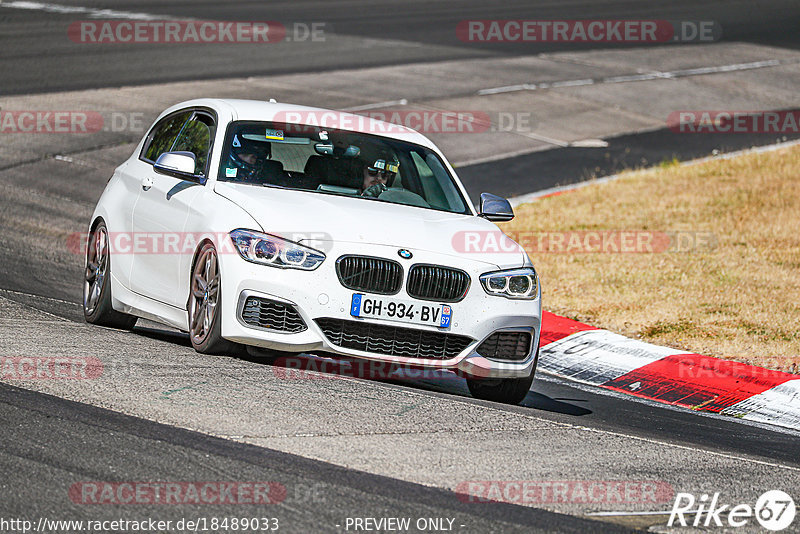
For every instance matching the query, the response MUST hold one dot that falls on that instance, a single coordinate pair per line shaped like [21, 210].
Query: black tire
[505, 390]
[97, 307]
[205, 312]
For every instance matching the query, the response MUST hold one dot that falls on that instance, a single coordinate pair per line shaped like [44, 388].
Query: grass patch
[667, 163]
[731, 289]
[664, 327]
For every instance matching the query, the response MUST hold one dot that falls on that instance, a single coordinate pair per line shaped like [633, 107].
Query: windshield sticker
[275, 135]
[231, 172]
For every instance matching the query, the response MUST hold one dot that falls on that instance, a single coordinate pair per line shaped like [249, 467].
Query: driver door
[161, 210]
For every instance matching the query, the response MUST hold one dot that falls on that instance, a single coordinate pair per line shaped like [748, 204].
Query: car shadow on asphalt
[300, 365]
[163, 334]
[549, 404]
[345, 368]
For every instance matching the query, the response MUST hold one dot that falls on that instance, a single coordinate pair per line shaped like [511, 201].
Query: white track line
[22, 293]
[58, 317]
[638, 77]
[498, 157]
[88, 11]
[378, 105]
[582, 428]
[615, 514]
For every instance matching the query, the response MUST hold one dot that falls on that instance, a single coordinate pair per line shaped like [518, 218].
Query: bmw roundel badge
[404, 253]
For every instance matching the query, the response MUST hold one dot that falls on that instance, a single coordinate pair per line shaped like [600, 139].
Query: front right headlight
[513, 284]
[266, 249]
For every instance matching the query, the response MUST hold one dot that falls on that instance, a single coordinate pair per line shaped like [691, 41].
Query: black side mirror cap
[494, 208]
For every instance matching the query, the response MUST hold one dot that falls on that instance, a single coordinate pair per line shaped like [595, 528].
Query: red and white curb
[583, 353]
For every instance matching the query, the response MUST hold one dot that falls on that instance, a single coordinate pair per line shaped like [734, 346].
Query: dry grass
[739, 300]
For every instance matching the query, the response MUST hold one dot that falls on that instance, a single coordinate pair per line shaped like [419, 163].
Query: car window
[163, 135]
[195, 137]
[338, 162]
[294, 157]
[432, 175]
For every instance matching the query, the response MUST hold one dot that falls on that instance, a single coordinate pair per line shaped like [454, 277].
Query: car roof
[259, 110]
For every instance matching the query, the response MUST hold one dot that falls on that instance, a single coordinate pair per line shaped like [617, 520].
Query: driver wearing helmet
[378, 175]
[248, 157]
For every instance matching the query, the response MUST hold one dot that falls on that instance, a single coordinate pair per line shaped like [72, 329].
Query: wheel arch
[96, 221]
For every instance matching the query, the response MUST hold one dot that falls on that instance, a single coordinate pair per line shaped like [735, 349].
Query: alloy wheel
[205, 290]
[96, 267]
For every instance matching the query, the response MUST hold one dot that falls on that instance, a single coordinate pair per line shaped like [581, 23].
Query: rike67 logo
[774, 510]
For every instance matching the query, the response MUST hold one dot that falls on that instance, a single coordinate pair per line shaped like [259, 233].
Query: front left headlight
[266, 249]
[514, 284]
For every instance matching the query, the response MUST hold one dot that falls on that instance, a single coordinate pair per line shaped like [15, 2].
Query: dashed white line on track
[637, 77]
[88, 11]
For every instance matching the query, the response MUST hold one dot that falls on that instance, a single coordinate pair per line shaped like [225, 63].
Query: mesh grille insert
[393, 340]
[271, 314]
[506, 346]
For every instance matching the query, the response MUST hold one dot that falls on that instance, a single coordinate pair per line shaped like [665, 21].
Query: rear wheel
[505, 390]
[97, 307]
[205, 305]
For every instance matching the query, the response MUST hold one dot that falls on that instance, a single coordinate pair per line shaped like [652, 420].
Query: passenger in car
[378, 175]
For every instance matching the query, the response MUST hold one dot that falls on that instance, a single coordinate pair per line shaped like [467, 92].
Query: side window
[439, 190]
[196, 138]
[432, 190]
[163, 135]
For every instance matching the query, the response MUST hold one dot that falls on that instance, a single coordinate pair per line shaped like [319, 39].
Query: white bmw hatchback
[298, 229]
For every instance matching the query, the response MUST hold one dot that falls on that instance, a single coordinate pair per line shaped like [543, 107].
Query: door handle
[147, 183]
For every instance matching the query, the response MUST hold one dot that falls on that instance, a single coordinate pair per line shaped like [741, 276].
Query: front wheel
[205, 305]
[97, 307]
[505, 390]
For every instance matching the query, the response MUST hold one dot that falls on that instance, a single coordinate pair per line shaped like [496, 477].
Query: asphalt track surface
[412, 31]
[63, 441]
[49, 442]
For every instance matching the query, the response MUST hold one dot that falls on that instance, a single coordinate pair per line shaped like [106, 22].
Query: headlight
[266, 249]
[515, 284]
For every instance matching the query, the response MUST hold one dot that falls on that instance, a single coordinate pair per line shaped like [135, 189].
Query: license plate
[400, 310]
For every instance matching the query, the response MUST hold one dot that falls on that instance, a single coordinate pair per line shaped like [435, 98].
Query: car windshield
[338, 162]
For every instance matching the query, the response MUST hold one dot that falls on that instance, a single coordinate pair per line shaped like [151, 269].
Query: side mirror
[495, 208]
[178, 165]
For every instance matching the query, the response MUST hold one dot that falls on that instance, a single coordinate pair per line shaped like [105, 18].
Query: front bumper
[319, 294]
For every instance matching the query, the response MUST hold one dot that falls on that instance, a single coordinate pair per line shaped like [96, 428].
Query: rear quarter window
[195, 137]
[163, 135]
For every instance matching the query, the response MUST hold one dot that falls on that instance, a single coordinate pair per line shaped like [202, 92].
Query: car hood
[308, 217]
